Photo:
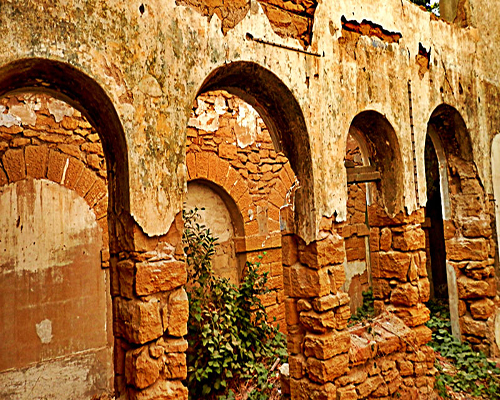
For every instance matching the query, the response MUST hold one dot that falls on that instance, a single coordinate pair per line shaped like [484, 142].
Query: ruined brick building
[353, 142]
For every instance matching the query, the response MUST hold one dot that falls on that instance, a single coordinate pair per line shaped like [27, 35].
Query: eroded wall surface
[55, 305]
[147, 61]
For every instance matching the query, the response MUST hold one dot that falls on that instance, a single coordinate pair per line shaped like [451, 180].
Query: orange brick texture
[471, 249]
[255, 176]
[150, 306]
[60, 151]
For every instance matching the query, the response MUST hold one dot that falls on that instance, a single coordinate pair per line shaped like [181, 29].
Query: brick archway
[53, 180]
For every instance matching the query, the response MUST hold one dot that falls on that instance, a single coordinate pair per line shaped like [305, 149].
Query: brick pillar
[400, 282]
[150, 311]
[316, 311]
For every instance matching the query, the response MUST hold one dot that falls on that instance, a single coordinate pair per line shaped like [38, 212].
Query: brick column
[150, 311]
[316, 311]
[400, 283]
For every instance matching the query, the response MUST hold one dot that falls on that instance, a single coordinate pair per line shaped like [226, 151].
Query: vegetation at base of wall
[232, 348]
[460, 368]
[366, 311]
[429, 5]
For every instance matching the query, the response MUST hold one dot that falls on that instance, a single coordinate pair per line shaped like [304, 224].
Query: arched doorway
[57, 179]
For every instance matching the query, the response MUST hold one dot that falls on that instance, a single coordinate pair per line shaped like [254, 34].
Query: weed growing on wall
[231, 345]
[366, 311]
[461, 369]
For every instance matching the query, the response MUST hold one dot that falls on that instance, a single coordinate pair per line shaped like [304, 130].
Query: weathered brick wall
[43, 142]
[230, 146]
[288, 18]
[356, 232]
[42, 138]
[470, 249]
[386, 358]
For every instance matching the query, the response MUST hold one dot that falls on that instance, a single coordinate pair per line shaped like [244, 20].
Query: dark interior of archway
[434, 224]
[66, 83]
[384, 154]
[451, 129]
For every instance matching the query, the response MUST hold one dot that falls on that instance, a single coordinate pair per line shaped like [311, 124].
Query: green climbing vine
[231, 343]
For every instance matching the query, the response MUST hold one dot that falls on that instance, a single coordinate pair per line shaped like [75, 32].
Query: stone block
[405, 294]
[73, 172]
[470, 288]
[228, 151]
[14, 164]
[475, 228]
[347, 393]
[159, 276]
[297, 366]
[393, 265]
[409, 240]
[56, 166]
[412, 316]
[306, 282]
[467, 250]
[141, 370]
[162, 389]
[137, 321]
[85, 182]
[323, 252]
[482, 309]
[176, 314]
[470, 326]
[369, 386]
[172, 345]
[330, 301]
[327, 345]
[303, 389]
[175, 366]
[291, 312]
[295, 338]
[319, 322]
[323, 371]
[125, 275]
[385, 239]
[36, 161]
[354, 376]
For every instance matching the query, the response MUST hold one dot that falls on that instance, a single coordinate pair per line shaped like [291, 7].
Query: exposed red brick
[14, 164]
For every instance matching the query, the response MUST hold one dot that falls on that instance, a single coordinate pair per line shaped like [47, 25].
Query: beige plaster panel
[153, 64]
[217, 218]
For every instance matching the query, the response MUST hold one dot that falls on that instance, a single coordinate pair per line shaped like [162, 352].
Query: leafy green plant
[461, 368]
[366, 311]
[231, 344]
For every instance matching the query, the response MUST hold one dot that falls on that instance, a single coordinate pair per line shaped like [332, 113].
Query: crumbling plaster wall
[152, 65]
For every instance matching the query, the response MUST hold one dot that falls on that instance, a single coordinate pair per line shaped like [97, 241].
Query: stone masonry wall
[45, 141]
[356, 232]
[230, 146]
[288, 18]
[386, 358]
[470, 249]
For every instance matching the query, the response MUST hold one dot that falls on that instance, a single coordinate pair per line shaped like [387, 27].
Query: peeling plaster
[44, 331]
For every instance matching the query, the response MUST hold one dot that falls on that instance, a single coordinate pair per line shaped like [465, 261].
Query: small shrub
[461, 368]
[366, 311]
[231, 344]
